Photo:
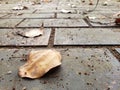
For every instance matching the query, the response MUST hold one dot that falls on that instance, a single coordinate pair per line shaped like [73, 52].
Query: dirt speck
[79, 73]
[24, 88]
[45, 82]
[76, 57]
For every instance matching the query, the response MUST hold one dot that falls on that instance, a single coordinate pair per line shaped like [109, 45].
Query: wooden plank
[9, 22]
[31, 23]
[87, 36]
[2, 15]
[34, 16]
[53, 23]
[8, 11]
[8, 37]
[68, 16]
[65, 23]
[41, 11]
[89, 69]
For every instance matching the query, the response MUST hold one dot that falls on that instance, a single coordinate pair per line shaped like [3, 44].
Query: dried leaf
[105, 3]
[92, 18]
[9, 72]
[31, 33]
[34, 33]
[72, 5]
[65, 11]
[20, 7]
[39, 63]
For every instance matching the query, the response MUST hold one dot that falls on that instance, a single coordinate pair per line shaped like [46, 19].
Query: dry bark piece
[73, 6]
[39, 63]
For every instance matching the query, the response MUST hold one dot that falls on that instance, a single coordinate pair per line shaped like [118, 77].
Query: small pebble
[76, 57]
[2, 59]
[79, 73]
[105, 3]
[9, 72]
[24, 88]
[68, 55]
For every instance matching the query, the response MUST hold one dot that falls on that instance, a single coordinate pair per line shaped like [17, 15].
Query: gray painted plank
[31, 23]
[53, 23]
[87, 36]
[86, 69]
[2, 15]
[53, 11]
[32, 16]
[42, 11]
[65, 23]
[69, 15]
[9, 22]
[9, 37]
[16, 11]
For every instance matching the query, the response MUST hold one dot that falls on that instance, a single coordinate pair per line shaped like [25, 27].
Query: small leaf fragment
[65, 11]
[34, 33]
[20, 7]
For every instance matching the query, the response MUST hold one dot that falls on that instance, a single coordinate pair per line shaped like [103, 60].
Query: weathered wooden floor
[90, 51]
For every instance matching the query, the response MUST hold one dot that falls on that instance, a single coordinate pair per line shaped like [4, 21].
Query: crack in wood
[51, 39]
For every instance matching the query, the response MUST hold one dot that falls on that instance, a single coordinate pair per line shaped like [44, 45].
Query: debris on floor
[117, 18]
[105, 3]
[9, 72]
[19, 7]
[72, 5]
[24, 88]
[65, 11]
[31, 33]
[46, 0]
[18, 14]
[39, 63]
